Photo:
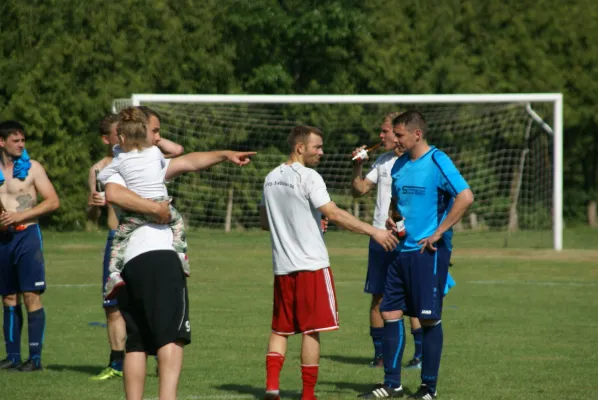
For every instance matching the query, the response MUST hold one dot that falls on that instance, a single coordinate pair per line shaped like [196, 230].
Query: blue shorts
[378, 262]
[416, 283]
[106, 272]
[22, 266]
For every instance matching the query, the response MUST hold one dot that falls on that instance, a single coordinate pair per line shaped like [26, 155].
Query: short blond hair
[389, 117]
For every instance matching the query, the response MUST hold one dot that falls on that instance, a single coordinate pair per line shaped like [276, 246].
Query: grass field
[520, 324]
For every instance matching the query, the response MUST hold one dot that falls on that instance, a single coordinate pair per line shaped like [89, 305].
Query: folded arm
[169, 148]
[359, 184]
[43, 188]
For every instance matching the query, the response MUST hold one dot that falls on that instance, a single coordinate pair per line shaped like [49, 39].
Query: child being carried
[141, 165]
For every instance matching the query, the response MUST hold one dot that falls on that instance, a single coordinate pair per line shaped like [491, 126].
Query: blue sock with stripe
[37, 326]
[432, 350]
[13, 324]
[393, 346]
[418, 339]
[377, 334]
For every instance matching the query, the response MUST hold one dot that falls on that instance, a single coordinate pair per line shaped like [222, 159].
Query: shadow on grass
[348, 360]
[255, 391]
[358, 388]
[84, 369]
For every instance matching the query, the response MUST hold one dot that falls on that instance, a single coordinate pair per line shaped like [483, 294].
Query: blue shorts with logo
[416, 283]
[378, 262]
[106, 272]
[22, 266]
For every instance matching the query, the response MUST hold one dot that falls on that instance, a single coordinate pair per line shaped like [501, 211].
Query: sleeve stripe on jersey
[443, 174]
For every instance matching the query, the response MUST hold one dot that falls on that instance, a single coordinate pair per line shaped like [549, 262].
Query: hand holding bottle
[396, 223]
[360, 154]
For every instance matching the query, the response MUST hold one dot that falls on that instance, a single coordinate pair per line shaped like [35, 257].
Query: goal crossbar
[556, 130]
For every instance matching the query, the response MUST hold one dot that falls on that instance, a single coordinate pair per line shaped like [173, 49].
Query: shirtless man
[22, 270]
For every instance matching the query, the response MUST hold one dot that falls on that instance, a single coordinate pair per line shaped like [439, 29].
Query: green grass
[520, 324]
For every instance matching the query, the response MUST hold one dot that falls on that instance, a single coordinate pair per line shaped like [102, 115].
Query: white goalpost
[509, 147]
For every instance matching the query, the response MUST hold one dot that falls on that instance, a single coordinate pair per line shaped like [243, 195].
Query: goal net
[504, 149]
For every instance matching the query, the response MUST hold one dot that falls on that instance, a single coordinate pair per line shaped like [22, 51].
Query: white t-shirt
[292, 195]
[380, 175]
[142, 170]
[147, 237]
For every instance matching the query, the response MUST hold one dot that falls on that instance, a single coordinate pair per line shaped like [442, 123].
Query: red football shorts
[304, 302]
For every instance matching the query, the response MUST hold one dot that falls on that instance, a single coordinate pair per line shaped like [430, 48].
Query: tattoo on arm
[25, 202]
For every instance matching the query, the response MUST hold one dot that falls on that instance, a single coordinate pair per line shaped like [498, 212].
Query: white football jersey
[142, 170]
[380, 175]
[292, 195]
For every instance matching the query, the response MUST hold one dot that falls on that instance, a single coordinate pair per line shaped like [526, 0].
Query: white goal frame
[556, 130]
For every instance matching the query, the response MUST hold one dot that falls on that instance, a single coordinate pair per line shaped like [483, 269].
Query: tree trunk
[592, 220]
[229, 210]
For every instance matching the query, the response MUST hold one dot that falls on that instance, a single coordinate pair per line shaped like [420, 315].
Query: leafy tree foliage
[63, 62]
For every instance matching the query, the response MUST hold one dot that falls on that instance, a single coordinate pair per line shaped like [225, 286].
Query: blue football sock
[13, 324]
[393, 345]
[432, 350]
[418, 339]
[377, 334]
[37, 326]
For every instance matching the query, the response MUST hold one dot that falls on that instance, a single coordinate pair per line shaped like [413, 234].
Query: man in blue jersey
[431, 195]
[379, 260]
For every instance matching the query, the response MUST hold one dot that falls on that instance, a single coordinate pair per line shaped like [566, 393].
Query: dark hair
[301, 133]
[412, 119]
[149, 112]
[132, 125]
[10, 127]
[107, 122]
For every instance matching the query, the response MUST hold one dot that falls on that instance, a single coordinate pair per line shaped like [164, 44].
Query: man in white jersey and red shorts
[294, 199]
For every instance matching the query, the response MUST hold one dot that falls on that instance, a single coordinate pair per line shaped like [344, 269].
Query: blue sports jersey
[425, 190]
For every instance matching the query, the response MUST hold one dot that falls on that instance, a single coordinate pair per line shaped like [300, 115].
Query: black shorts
[154, 302]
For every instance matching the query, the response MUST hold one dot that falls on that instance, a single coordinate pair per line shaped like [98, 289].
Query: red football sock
[274, 363]
[309, 374]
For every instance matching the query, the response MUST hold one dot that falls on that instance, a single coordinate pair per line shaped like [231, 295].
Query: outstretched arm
[197, 161]
[345, 220]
